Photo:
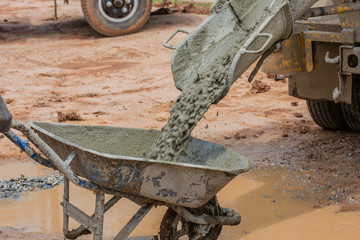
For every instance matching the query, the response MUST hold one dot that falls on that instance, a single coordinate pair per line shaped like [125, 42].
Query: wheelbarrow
[111, 160]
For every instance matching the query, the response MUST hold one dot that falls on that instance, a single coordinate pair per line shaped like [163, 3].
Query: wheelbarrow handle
[52, 160]
[25, 147]
[5, 117]
[52, 157]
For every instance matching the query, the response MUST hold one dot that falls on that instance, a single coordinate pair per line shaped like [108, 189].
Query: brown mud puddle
[273, 205]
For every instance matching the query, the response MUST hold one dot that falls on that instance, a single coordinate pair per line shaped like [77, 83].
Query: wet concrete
[201, 70]
[272, 205]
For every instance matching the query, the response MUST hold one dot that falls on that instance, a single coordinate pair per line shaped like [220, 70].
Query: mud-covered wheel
[116, 17]
[174, 227]
[327, 114]
[352, 111]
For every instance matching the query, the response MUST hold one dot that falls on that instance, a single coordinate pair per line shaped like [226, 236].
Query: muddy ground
[49, 69]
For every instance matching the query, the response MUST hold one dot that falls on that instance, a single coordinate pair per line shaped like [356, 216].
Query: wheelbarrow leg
[89, 224]
[99, 216]
[65, 200]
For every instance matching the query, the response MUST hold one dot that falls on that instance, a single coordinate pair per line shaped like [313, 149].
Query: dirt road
[67, 67]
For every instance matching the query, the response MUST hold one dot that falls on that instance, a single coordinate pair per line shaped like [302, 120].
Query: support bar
[333, 10]
[134, 221]
[78, 215]
[81, 230]
[70, 157]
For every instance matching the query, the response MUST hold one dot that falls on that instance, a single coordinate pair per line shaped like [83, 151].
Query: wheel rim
[179, 228]
[118, 10]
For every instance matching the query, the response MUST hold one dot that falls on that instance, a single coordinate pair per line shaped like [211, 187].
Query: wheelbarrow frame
[94, 223]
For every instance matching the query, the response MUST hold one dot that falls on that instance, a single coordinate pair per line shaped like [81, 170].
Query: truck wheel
[116, 17]
[352, 111]
[327, 114]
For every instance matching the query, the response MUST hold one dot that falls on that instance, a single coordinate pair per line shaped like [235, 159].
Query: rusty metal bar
[333, 10]
[300, 7]
[317, 36]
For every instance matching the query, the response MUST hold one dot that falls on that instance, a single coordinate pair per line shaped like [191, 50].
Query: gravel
[14, 187]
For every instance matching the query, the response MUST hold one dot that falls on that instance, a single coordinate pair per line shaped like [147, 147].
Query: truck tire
[327, 114]
[352, 111]
[116, 17]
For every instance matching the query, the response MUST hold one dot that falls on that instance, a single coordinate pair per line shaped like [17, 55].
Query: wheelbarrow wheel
[173, 227]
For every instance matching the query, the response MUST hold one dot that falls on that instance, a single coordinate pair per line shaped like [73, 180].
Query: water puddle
[269, 202]
[13, 170]
[270, 212]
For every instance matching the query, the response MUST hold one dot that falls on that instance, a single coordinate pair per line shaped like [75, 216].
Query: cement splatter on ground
[14, 187]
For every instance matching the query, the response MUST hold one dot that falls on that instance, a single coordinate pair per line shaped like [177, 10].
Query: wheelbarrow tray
[114, 158]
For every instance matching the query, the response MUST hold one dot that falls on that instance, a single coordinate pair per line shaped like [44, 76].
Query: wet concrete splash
[212, 58]
[205, 82]
[14, 187]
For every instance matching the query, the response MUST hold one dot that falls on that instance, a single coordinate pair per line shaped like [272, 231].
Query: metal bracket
[261, 61]
[329, 60]
[269, 37]
[332, 10]
[317, 36]
[173, 35]
[229, 217]
[349, 60]
[343, 92]
[70, 158]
